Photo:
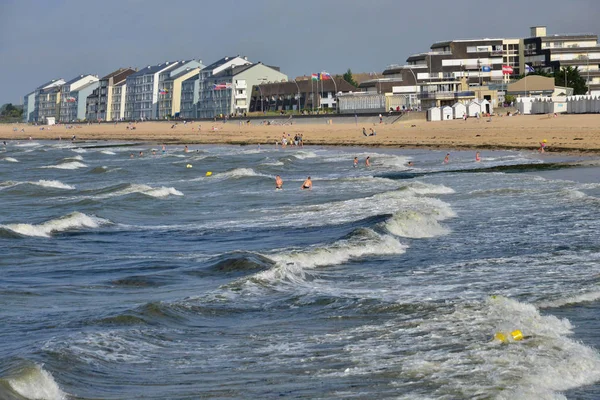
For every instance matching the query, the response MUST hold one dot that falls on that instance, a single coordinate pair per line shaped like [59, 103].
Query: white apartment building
[73, 100]
[190, 88]
[206, 104]
[47, 100]
[169, 87]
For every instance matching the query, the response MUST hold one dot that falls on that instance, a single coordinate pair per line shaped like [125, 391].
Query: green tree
[348, 78]
[570, 77]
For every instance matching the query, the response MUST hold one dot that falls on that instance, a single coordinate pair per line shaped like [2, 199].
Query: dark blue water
[142, 277]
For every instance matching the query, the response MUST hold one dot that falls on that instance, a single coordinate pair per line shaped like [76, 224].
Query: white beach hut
[524, 105]
[459, 110]
[473, 108]
[486, 106]
[447, 113]
[434, 114]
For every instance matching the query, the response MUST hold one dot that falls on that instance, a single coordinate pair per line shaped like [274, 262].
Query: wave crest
[74, 220]
[35, 383]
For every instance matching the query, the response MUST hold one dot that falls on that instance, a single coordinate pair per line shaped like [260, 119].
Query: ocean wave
[236, 173]
[53, 184]
[126, 189]
[416, 224]
[79, 150]
[588, 297]
[292, 266]
[72, 221]
[302, 155]
[10, 159]
[67, 165]
[33, 383]
[27, 144]
[108, 152]
[425, 189]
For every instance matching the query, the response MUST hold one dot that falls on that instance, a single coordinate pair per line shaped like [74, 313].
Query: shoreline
[576, 134]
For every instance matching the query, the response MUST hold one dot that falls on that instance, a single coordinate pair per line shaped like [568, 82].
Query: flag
[164, 91]
[486, 68]
[314, 77]
[507, 69]
[529, 69]
[221, 86]
[325, 76]
[71, 99]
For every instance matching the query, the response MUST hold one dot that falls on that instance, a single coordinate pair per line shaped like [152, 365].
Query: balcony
[446, 95]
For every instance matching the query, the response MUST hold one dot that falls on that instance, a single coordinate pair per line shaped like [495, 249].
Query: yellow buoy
[208, 173]
[501, 337]
[189, 166]
[517, 335]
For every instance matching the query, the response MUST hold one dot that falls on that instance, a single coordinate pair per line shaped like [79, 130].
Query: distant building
[190, 89]
[169, 87]
[301, 94]
[101, 101]
[206, 103]
[229, 91]
[537, 86]
[47, 100]
[28, 107]
[542, 51]
[141, 99]
[73, 100]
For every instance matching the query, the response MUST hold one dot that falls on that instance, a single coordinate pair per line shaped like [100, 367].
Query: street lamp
[416, 84]
[298, 95]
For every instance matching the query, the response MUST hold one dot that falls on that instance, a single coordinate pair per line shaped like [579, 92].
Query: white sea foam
[74, 220]
[35, 383]
[302, 155]
[142, 189]
[79, 150]
[108, 152]
[291, 266]
[27, 144]
[425, 189]
[53, 184]
[68, 165]
[239, 173]
[10, 159]
[415, 224]
[587, 297]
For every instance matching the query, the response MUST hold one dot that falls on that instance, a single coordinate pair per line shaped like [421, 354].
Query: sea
[185, 275]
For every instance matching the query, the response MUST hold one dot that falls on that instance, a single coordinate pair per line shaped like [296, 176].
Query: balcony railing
[446, 95]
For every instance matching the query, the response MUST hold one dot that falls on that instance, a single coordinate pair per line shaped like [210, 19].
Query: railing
[446, 95]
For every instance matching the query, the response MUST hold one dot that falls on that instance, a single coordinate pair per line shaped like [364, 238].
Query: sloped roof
[220, 62]
[532, 83]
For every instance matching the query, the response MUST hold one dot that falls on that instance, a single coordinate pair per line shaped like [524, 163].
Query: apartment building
[190, 89]
[553, 52]
[105, 93]
[33, 100]
[230, 89]
[73, 100]
[206, 96]
[141, 100]
[169, 87]
[47, 100]
[117, 105]
[28, 106]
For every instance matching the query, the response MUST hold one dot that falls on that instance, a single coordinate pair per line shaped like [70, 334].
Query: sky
[47, 39]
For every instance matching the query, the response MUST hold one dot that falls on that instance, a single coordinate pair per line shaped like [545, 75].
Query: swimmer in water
[477, 157]
[278, 182]
[367, 161]
[447, 158]
[355, 162]
[307, 184]
[185, 149]
[410, 164]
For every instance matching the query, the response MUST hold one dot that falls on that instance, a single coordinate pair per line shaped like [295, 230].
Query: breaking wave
[10, 159]
[67, 165]
[31, 383]
[72, 221]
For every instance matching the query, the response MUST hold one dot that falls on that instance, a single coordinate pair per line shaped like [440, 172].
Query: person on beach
[373, 133]
[543, 145]
[307, 184]
[477, 157]
[365, 132]
[367, 161]
[447, 158]
[278, 182]
[355, 162]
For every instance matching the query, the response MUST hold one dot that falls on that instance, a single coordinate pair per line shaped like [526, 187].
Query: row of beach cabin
[580, 104]
[459, 110]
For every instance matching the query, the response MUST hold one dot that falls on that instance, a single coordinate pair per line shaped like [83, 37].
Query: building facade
[231, 89]
[105, 93]
[206, 104]
[190, 89]
[301, 94]
[47, 100]
[73, 100]
[169, 87]
[142, 92]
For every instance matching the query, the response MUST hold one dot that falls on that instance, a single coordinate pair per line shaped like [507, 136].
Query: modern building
[206, 104]
[190, 92]
[33, 100]
[73, 100]
[169, 87]
[141, 98]
[47, 100]
[553, 52]
[300, 94]
[28, 106]
[231, 89]
[100, 102]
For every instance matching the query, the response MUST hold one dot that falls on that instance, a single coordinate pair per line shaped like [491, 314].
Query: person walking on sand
[367, 161]
[477, 157]
[447, 158]
[278, 182]
[307, 184]
[355, 162]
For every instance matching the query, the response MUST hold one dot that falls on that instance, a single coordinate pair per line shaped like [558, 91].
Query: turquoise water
[141, 278]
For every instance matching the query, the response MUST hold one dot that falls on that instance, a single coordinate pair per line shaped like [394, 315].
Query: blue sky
[47, 39]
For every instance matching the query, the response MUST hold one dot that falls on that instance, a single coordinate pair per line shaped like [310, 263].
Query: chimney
[538, 31]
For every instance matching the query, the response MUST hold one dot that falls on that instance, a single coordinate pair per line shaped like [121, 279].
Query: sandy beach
[567, 133]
